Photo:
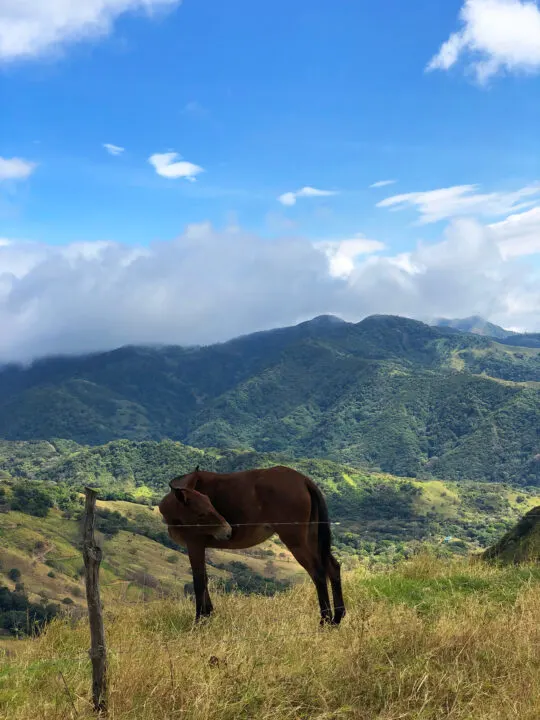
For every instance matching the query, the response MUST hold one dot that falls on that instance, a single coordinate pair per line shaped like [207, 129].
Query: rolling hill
[378, 519]
[388, 394]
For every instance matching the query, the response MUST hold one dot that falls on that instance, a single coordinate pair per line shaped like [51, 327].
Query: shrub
[31, 499]
[14, 574]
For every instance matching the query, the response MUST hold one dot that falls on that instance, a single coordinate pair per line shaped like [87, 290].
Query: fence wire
[258, 524]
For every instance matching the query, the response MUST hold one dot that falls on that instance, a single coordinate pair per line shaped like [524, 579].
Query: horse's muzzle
[224, 532]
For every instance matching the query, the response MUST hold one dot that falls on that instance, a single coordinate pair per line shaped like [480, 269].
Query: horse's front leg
[197, 558]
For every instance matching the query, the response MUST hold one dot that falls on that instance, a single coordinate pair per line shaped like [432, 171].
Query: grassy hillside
[521, 543]
[391, 394]
[140, 563]
[378, 518]
[425, 640]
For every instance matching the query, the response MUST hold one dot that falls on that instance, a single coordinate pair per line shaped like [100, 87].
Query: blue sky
[260, 100]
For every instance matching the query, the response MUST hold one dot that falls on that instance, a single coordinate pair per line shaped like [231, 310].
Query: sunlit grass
[427, 640]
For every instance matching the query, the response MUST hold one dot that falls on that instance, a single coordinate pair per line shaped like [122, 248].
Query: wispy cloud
[289, 198]
[382, 183]
[113, 149]
[435, 205]
[496, 35]
[34, 27]
[16, 168]
[170, 165]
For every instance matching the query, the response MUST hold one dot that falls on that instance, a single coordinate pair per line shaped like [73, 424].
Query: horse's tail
[319, 513]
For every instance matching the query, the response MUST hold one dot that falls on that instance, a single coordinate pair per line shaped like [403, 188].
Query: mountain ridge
[389, 393]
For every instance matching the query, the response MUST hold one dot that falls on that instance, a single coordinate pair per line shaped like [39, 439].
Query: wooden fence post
[92, 555]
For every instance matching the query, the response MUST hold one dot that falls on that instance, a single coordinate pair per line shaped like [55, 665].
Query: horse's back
[283, 474]
[258, 495]
[278, 477]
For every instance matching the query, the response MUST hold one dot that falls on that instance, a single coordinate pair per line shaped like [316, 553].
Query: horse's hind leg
[334, 572]
[320, 580]
[318, 574]
[299, 544]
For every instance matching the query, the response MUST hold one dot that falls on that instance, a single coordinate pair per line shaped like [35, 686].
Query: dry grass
[425, 641]
[126, 556]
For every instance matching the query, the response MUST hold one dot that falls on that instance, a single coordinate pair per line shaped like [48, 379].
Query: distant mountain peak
[474, 324]
[391, 321]
[327, 320]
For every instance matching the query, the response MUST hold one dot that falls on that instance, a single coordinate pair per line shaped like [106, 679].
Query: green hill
[521, 544]
[388, 393]
[378, 518]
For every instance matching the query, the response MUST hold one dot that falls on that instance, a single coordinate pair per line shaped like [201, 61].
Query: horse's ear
[184, 482]
[181, 495]
[196, 469]
[190, 481]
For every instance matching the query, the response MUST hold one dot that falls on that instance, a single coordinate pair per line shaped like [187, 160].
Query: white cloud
[30, 28]
[463, 274]
[201, 287]
[343, 254]
[15, 168]
[206, 286]
[382, 183]
[434, 205]
[289, 198]
[518, 234]
[167, 165]
[113, 149]
[497, 35]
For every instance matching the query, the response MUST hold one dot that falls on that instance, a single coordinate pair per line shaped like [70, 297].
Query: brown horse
[242, 509]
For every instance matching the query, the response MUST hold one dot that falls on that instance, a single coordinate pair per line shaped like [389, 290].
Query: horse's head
[184, 506]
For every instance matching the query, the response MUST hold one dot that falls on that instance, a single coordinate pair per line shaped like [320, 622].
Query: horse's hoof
[203, 618]
[331, 622]
[326, 622]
